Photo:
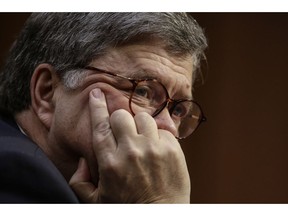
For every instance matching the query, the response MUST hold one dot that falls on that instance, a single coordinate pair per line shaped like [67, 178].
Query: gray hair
[70, 41]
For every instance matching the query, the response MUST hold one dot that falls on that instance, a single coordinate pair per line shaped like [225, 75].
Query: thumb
[81, 184]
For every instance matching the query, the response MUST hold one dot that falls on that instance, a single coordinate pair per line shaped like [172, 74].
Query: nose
[165, 122]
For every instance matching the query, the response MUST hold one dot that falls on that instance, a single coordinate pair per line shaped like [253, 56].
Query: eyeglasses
[151, 96]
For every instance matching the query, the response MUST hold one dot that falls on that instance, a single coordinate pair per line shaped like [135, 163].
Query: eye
[148, 94]
[180, 110]
[143, 92]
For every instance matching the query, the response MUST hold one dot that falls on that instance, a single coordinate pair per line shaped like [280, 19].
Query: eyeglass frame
[165, 104]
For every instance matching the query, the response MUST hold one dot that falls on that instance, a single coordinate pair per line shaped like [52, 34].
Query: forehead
[150, 60]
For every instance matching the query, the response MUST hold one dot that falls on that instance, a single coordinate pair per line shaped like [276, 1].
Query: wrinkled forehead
[145, 60]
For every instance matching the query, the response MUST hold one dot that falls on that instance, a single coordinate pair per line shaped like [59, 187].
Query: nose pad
[165, 122]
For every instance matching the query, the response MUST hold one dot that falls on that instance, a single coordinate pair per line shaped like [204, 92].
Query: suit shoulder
[27, 175]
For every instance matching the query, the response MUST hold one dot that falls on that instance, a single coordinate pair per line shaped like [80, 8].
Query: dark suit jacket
[26, 174]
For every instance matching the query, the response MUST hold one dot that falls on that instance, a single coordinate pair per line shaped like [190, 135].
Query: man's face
[71, 127]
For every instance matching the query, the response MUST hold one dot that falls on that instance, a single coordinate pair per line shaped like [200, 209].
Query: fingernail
[97, 93]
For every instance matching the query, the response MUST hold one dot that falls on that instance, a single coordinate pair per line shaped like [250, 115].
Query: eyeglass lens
[151, 97]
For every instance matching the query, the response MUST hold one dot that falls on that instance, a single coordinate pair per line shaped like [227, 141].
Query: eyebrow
[139, 75]
[142, 74]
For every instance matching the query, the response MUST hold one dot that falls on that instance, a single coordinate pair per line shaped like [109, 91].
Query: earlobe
[42, 89]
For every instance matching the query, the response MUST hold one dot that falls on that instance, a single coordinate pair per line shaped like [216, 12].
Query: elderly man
[92, 107]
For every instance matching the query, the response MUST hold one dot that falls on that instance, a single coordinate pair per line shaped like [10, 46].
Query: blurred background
[240, 155]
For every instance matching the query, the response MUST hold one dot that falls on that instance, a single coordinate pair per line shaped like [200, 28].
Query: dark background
[240, 154]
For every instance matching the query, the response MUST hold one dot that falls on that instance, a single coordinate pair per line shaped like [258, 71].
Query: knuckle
[119, 116]
[120, 113]
[109, 167]
[134, 155]
[101, 131]
[155, 155]
[142, 116]
[102, 126]
[172, 146]
[153, 149]
[166, 134]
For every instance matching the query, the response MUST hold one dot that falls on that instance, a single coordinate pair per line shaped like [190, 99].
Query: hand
[138, 163]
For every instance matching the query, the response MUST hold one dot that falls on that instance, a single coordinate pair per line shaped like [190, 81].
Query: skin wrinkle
[141, 62]
[172, 85]
[156, 63]
[71, 125]
[68, 125]
[161, 57]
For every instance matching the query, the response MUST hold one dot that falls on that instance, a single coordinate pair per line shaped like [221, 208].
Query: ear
[42, 90]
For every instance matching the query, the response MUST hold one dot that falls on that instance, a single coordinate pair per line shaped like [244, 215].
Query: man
[99, 101]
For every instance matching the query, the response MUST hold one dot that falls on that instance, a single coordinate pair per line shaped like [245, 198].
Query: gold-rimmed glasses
[149, 95]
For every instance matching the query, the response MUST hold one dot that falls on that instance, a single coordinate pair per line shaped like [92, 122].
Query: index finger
[103, 138]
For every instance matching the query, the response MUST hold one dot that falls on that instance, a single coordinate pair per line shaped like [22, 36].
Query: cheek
[71, 127]
[116, 100]
[72, 124]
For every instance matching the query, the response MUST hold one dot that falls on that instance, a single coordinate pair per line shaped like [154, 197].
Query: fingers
[103, 139]
[123, 125]
[120, 126]
[82, 173]
[146, 125]
[80, 183]
[128, 150]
